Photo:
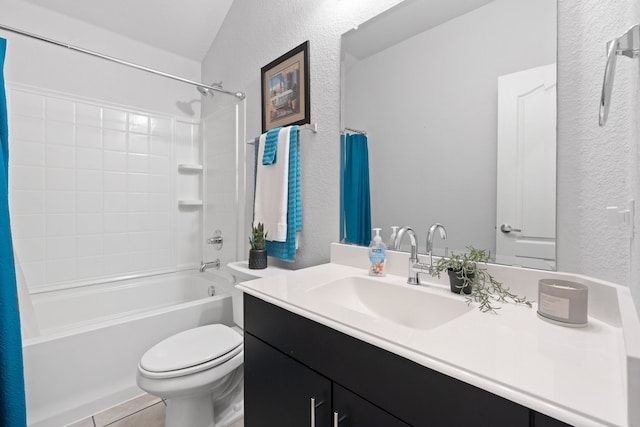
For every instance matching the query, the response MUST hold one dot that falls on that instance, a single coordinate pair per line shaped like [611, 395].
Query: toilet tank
[241, 272]
[238, 307]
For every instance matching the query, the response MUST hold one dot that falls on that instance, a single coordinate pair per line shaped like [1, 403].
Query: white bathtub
[86, 357]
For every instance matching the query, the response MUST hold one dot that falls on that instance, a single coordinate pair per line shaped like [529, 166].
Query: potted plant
[468, 276]
[258, 252]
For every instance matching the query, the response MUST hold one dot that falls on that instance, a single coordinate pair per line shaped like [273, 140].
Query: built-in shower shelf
[189, 167]
[189, 202]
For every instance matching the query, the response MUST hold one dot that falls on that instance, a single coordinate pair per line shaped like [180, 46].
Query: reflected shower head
[206, 91]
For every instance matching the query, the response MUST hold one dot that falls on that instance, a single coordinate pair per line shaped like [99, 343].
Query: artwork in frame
[285, 89]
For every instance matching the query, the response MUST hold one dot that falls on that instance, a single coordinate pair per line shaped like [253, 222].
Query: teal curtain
[12, 401]
[355, 192]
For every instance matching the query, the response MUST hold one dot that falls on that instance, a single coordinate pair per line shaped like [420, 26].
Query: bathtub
[91, 339]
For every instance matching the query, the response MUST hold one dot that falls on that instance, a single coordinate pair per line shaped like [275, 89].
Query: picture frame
[285, 89]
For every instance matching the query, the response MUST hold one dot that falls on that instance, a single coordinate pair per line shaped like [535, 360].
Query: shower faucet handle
[216, 240]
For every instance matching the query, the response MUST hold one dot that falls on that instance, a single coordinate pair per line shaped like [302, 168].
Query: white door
[526, 193]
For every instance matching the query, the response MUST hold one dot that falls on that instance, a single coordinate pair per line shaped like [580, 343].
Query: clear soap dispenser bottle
[377, 254]
[392, 240]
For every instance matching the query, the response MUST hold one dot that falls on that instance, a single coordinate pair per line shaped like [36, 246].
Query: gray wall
[431, 113]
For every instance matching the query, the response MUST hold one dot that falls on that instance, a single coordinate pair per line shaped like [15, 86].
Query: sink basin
[400, 304]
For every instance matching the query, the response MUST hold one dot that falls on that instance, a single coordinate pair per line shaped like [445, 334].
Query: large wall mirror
[458, 100]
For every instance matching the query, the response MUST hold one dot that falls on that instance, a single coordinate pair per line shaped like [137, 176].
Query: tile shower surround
[92, 188]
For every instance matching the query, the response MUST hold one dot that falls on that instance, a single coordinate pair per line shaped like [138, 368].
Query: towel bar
[313, 127]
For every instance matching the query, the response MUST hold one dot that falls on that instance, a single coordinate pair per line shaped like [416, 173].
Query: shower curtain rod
[239, 95]
[346, 129]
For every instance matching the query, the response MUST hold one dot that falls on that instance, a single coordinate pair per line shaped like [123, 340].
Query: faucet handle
[421, 267]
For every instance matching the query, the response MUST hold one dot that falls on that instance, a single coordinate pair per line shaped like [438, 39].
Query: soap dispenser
[392, 240]
[377, 255]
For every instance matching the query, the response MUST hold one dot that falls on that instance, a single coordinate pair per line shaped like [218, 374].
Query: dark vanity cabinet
[284, 392]
[301, 373]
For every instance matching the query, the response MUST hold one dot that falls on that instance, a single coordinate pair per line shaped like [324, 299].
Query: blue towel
[12, 401]
[356, 194]
[270, 147]
[286, 250]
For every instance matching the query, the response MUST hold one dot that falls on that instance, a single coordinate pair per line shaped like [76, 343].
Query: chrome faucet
[205, 265]
[430, 235]
[413, 278]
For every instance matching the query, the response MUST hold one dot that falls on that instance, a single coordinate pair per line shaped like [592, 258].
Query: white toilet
[199, 372]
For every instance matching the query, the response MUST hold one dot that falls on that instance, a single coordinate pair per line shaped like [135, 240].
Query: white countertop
[577, 375]
[242, 267]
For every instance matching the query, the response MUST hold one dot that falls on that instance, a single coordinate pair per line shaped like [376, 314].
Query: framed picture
[285, 89]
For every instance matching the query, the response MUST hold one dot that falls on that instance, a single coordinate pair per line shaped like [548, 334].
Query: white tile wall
[93, 189]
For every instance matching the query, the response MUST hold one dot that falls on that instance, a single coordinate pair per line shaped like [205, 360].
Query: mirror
[458, 102]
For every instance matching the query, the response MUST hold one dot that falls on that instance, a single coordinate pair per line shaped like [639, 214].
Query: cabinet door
[278, 390]
[354, 411]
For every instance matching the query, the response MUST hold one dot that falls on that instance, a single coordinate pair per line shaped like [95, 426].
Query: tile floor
[143, 411]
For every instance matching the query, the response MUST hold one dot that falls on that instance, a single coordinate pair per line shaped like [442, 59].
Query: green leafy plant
[258, 237]
[485, 289]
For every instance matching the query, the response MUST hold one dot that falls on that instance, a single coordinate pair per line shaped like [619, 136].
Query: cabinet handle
[314, 405]
[337, 418]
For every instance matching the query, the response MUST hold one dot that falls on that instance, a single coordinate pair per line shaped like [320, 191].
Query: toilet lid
[190, 348]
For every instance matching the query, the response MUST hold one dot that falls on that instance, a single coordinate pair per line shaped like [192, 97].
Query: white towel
[272, 189]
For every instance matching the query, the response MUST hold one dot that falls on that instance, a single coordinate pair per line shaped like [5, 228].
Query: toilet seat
[191, 351]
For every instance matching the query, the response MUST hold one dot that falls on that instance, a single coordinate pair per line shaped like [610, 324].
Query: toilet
[199, 371]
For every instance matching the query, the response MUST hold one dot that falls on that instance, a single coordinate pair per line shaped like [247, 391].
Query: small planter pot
[456, 284]
[257, 259]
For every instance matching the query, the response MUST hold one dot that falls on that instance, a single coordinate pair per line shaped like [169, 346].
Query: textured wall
[255, 33]
[597, 167]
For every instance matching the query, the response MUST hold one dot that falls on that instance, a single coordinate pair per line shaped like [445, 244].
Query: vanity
[330, 346]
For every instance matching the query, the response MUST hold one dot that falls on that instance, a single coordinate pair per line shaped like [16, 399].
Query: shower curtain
[355, 192]
[12, 400]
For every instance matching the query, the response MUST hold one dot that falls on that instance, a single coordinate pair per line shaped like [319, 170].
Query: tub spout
[205, 265]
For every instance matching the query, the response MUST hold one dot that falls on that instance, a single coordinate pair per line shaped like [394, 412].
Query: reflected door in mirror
[525, 230]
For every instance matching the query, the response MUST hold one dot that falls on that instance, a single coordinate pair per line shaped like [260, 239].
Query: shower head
[207, 91]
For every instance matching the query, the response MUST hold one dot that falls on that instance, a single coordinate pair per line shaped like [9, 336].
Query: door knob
[506, 228]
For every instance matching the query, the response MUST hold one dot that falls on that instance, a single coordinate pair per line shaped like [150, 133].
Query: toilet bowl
[193, 370]
[199, 371]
